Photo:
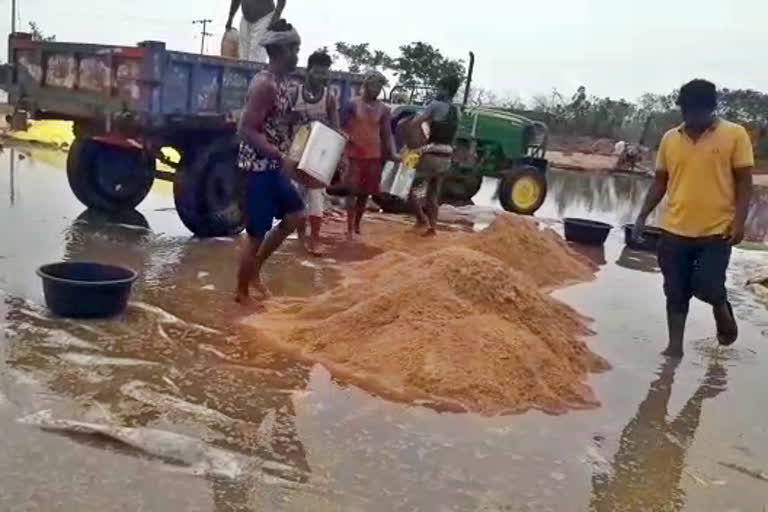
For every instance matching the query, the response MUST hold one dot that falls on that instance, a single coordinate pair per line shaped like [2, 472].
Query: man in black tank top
[435, 162]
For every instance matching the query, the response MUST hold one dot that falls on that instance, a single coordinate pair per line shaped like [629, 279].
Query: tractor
[490, 142]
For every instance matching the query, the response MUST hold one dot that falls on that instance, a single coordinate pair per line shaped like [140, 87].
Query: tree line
[644, 121]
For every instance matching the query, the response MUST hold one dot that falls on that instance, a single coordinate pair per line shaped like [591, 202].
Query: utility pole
[203, 34]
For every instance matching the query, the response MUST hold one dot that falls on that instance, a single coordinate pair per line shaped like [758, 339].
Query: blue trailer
[127, 103]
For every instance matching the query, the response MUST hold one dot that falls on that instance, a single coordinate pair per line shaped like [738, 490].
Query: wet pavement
[169, 408]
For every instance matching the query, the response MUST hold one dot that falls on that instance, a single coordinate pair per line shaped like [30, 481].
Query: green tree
[359, 57]
[420, 64]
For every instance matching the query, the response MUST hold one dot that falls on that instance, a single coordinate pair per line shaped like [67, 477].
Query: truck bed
[147, 85]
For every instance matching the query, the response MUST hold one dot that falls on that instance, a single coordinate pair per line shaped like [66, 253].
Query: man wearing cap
[258, 16]
[265, 129]
[367, 123]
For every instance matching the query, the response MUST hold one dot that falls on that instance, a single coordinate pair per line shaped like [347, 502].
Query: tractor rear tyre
[107, 177]
[208, 190]
[392, 204]
[522, 190]
[461, 188]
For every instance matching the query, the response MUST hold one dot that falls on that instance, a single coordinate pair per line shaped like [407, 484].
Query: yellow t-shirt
[700, 190]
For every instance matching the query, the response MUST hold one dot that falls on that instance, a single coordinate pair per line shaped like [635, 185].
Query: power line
[204, 33]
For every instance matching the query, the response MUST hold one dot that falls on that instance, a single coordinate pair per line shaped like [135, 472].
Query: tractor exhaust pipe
[469, 80]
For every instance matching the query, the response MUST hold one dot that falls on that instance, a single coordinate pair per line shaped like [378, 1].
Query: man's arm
[387, 141]
[742, 182]
[655, 194]
[657, 191]
[333, 111]
[425, 116]
[233, 8]
[279, 8]
[742, 161]
[261, 101]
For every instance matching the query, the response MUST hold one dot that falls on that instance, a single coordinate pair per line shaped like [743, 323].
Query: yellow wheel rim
[525, 193]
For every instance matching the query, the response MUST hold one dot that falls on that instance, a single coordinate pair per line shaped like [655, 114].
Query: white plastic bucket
[318, 150]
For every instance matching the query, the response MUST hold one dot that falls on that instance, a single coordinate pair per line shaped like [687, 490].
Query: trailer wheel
[522, 190]
[107, 177]
[208, 188]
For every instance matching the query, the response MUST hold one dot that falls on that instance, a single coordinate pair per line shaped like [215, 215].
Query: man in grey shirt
[258, 16]
[435, 162]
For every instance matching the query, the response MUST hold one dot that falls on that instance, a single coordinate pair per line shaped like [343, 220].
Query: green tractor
[490, 143]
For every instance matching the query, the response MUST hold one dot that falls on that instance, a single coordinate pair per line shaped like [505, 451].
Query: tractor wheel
[522, 190]
[108, 178]
[461, 188]
[208, 188]
[392, 204]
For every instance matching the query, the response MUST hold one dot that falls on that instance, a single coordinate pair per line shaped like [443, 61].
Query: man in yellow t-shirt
[704, 168]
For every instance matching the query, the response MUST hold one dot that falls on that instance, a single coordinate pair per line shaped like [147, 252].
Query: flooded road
[169, 408]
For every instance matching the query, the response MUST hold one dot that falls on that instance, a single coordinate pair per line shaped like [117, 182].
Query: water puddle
[173, 390]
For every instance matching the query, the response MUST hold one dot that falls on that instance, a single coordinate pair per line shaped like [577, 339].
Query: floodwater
[169, 408]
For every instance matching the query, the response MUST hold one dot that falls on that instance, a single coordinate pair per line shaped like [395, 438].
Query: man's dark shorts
[269, 195]
[693, 267]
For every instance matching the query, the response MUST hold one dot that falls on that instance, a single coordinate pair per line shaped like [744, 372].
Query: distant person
[316, 102]
[266, 129]
[435, 162]
[258, 16]
[367, 122]
[704, 167]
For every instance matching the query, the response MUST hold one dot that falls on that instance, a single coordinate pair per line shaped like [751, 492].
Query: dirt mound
[541, 254]
[457, 327]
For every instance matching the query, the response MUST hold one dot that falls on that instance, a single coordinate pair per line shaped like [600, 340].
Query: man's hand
[736, 234]
[638, 230]
[289, 165]
[229, 25]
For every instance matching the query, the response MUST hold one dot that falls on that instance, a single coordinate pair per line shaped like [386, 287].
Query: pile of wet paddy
[461, 322]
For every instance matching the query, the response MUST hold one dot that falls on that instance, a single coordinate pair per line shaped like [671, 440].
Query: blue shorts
[269, 195]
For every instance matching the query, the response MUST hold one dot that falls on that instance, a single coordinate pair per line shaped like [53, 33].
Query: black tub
[650, 240]
[587, 232]
[86, 289]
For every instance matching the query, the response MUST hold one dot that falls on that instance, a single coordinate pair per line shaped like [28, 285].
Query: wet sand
[692, 438]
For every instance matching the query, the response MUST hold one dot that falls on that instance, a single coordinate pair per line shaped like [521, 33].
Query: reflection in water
[651, 457]
[617, 199]
[638, 260]
[595, 253]
[612, 198]
[175, 361]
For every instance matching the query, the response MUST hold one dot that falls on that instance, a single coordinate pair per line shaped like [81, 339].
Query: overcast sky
[618, 48]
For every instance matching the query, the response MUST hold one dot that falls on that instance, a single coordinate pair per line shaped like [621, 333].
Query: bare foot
[244, 300]
[429, 233]
[314, 251]
[261, 289]
[673, 352]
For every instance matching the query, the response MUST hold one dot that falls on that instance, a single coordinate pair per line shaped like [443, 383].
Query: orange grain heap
[463, 326]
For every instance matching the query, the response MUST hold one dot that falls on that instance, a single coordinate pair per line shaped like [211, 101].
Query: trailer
[129, 102]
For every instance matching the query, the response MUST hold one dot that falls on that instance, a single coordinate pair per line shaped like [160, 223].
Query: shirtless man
[258, 16]
[266, 130]
[367, 123]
